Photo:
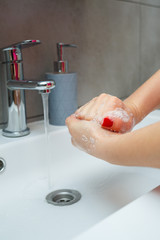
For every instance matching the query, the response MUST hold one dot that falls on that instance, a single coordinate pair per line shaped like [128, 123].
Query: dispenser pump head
[61, 66]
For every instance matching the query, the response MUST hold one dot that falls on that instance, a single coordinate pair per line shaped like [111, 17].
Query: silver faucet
[15, 83]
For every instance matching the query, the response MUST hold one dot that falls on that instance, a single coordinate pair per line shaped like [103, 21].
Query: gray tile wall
[118, 43]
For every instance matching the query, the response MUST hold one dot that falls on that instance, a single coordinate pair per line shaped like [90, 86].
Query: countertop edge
[138, 220]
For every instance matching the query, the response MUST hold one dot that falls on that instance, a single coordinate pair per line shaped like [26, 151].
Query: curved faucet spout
[42, 86]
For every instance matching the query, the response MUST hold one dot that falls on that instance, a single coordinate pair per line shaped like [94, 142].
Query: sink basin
[32, 171]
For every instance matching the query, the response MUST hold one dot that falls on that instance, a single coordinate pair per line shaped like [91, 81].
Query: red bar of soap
[107, 122]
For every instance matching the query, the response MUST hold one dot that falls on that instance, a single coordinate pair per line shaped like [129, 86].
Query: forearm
[137, 148]
[146, 98]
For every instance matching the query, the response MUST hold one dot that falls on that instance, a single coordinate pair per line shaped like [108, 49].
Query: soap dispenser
[62, 99]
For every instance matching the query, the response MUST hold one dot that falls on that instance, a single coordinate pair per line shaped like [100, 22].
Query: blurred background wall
[118, 43]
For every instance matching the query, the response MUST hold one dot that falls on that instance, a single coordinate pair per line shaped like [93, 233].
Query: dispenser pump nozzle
[61, 66]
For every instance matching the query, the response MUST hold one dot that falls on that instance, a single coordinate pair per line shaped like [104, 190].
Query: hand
[110, 112]
[91, 138]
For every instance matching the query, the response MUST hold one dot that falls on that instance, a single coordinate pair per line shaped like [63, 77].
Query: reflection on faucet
[15, 83]
[42, 86]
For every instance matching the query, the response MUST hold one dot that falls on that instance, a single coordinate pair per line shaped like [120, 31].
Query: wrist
[137, 114]
[107, 147]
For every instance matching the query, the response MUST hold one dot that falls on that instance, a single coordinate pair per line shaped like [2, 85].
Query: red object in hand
[107, 122]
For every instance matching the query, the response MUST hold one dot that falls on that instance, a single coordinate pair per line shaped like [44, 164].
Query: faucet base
[14, 134]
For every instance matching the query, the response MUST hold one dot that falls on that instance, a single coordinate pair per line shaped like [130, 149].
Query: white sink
[105, 188]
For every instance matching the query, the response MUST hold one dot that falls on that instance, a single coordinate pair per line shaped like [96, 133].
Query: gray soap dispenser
[62, 99]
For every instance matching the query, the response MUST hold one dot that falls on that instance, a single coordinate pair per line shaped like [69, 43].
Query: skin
[137, 148]
[104, 106]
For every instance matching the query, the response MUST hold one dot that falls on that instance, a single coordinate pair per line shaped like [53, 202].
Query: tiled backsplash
[118, 43]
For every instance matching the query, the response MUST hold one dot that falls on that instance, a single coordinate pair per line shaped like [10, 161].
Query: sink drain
[63, 197]
[2, 164]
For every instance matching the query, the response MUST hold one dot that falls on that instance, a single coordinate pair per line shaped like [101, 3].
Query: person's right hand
[110, 112]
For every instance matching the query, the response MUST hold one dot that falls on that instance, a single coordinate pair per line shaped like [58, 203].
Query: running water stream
[46, 128]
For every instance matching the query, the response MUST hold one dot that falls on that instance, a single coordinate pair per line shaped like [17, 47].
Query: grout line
[33, 118]
[2, 124]
[143, 4]
[40, 115]
[140, 44]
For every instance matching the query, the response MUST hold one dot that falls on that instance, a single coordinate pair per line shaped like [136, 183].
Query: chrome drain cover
[2, 164]
[63, 197]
